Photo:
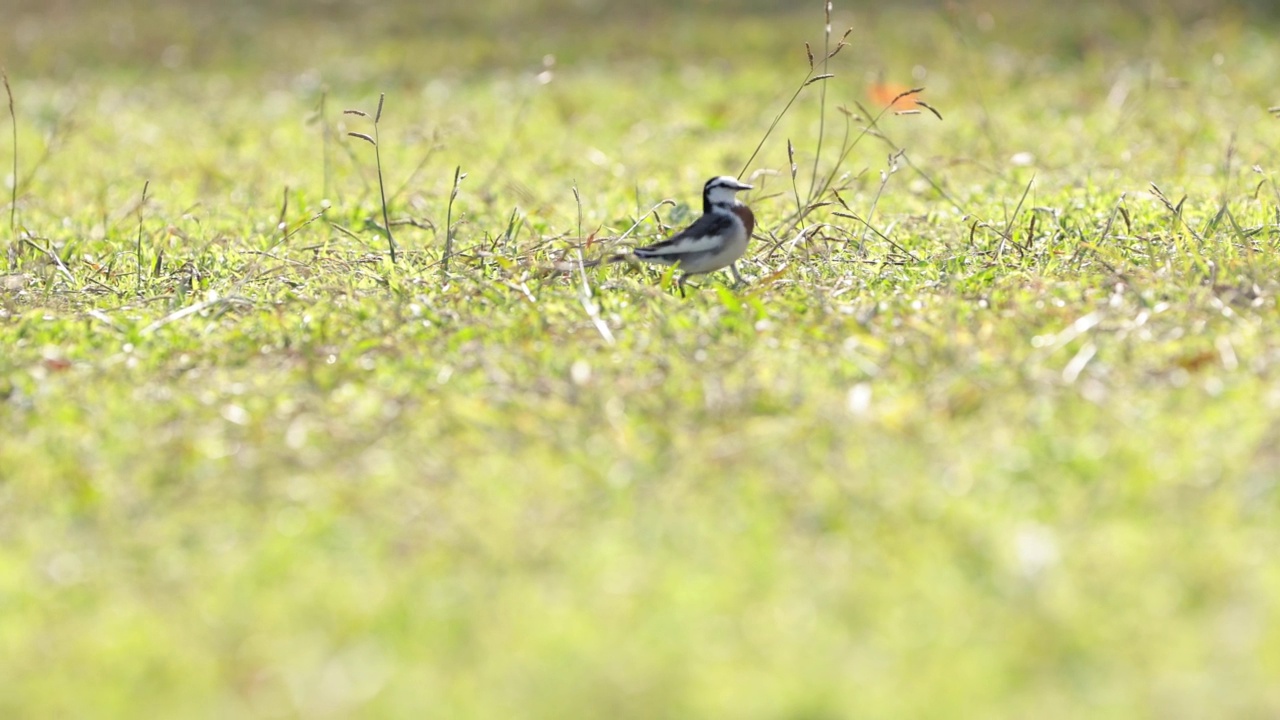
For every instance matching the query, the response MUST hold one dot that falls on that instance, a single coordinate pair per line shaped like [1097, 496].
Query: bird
[713, 242]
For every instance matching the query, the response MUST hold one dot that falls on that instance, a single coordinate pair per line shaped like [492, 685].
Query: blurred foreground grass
[1011, 451]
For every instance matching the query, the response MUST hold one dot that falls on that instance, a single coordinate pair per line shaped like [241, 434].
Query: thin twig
[303, 224]
[375, 141]
[875, 202]
[1007, 235]
[809, 79]
[458, 175]
[382, 189]
[282, 224]
[822, 102]
[188, 311]
[589, 305]
[141, 203]
[795, 189]
[53, 256]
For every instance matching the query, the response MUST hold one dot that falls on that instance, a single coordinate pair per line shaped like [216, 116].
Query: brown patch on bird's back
[747, 217]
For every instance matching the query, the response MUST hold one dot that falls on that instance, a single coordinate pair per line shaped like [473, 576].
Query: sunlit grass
[991, 433]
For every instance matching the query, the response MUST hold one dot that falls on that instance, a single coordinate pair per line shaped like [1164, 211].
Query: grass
[992, 434]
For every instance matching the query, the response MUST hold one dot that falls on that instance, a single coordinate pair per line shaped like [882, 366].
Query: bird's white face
[721, 190]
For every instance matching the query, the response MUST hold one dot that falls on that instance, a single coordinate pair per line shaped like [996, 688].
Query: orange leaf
[891, 95]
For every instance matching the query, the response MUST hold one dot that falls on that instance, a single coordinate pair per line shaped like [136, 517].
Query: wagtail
[714, 241]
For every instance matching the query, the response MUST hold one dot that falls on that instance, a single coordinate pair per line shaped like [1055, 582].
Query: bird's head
[721, 190]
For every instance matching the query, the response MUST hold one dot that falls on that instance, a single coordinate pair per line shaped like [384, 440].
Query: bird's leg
[680, 283]
[733, 267]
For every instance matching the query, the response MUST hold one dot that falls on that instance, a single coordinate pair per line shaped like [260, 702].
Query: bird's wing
[707, 234]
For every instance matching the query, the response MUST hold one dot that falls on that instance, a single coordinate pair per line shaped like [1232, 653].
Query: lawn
[992, 430]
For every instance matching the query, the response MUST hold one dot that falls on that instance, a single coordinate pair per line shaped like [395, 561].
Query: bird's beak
[744, 186]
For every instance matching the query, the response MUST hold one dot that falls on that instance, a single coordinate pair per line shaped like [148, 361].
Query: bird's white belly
[735, 245]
